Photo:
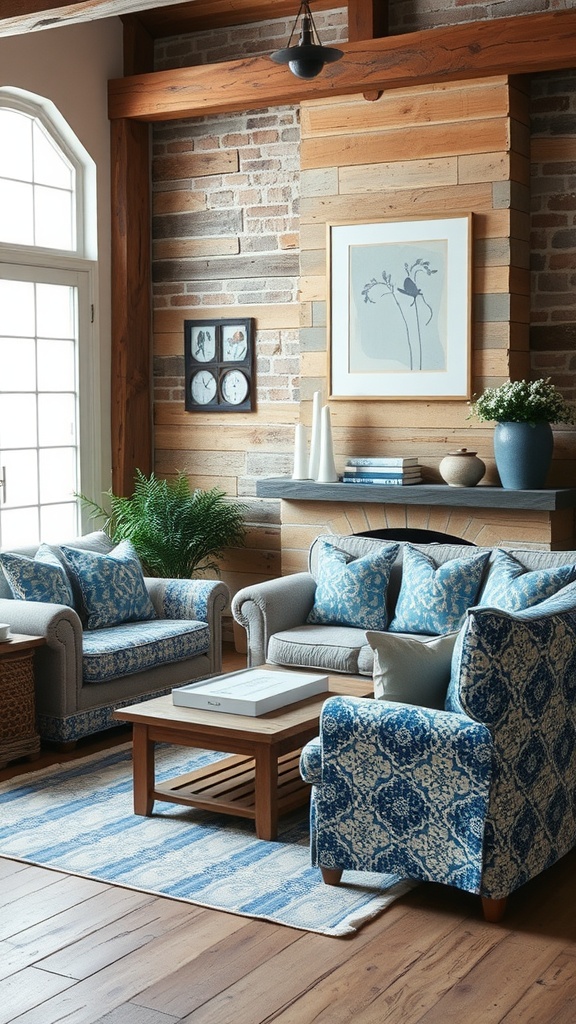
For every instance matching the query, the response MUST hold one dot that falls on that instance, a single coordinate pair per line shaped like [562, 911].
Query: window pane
[50, 166]
[54, 311]
[21, 475]
[59, 522]
[57, 474]
[56, 365]
[19, 527]
[16, 149]
[17, 364]
[17, 315]
[56, 420]
[53, 218]
[18, 421]
[16, 213]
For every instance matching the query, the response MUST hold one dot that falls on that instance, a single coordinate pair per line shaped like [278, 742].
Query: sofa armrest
[201, 600]
[58, 671]
[403, 789]
[266, 608]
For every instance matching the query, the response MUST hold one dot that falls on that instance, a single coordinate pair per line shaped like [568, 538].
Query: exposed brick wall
[243, 220]
[244, 40]
[553, 240]
[409, 15]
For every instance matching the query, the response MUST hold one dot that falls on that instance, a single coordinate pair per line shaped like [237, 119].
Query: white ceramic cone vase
[315, 437]
[300, 453]
[326, 469]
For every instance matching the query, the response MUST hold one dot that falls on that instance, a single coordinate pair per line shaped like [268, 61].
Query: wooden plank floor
[82, 952]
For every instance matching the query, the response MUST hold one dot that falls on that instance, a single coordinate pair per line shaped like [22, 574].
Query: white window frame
[21, 262]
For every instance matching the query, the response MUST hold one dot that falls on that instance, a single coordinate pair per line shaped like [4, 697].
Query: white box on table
[251, 691]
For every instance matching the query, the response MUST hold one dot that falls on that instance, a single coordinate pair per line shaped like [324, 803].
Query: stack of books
[385, 470]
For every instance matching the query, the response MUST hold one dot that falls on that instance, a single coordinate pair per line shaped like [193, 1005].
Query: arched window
[49, 449]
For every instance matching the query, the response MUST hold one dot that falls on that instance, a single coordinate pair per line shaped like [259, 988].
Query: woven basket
[18, 736]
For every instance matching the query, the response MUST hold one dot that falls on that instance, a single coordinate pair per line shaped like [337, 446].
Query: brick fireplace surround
[489, 516]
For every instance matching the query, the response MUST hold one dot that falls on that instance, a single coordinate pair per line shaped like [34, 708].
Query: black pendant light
[308, 58]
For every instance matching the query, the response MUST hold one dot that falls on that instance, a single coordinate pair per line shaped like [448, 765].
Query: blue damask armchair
[481, 796]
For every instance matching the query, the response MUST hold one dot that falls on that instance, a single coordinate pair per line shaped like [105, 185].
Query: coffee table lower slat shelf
[228, 786]
[260, 781]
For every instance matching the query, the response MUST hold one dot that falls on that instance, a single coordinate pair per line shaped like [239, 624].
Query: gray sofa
[82, 675]
[274, 613]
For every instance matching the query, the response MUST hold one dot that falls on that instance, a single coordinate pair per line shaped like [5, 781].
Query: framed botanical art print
[400, 308]
[218, 365]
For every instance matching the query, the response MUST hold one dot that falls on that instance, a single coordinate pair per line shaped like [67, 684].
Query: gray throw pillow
[412, 671]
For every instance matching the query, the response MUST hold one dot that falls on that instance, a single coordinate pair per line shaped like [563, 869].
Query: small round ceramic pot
[462, 468]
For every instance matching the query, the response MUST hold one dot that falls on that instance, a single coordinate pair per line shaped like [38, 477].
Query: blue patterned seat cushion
[352, 592]
[434, 598]
[137, 646]
[510, 587]
[41, 578]
[111, 586]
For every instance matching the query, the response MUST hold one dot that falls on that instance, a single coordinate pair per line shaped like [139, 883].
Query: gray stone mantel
[550, 499]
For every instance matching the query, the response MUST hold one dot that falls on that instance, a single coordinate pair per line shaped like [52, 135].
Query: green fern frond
[177, 532]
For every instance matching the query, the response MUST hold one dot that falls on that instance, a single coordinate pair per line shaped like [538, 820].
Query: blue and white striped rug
[77, 817]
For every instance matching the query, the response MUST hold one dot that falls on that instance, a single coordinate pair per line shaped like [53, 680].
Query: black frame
[217, 346]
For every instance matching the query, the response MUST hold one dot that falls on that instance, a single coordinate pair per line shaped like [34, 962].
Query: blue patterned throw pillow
[352, 592]
[511, 587]
[111, 586]
[41, 578]
[434, 598]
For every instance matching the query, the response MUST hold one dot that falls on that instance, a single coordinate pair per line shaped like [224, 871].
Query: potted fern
[177, 532]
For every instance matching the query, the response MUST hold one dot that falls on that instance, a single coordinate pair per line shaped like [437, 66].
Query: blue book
[401, 474]
[386, 480]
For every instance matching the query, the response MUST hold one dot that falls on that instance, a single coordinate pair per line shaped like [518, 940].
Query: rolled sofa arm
[58, 664]
[200, 600]
[266, 608]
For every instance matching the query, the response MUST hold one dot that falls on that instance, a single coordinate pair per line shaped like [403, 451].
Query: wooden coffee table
[261, 782]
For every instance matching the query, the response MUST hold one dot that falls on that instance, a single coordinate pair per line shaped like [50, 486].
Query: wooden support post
[367, 19]
[131, 361]
[132, 378]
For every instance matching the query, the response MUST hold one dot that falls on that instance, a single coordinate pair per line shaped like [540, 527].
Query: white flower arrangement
[523, 401]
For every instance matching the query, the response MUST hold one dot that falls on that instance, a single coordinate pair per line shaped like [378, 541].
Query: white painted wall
[71, 66]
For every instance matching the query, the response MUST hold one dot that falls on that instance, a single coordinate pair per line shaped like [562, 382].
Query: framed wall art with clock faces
[219, 365]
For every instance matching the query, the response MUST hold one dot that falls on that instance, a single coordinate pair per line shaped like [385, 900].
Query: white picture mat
[374, 342]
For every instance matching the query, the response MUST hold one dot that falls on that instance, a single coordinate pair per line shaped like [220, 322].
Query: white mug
[4, 631]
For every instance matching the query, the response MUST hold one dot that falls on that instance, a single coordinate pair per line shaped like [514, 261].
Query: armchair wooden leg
[331, 876]
[493, 909]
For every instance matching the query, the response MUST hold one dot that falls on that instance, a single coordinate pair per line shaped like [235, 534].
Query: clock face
[203, 387]
[235, 387]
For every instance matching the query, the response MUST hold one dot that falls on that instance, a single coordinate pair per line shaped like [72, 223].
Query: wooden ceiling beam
[160, 17]
[505, 46]
[21, 16]
[204, 15]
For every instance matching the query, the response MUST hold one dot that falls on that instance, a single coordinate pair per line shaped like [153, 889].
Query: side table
[18, 736]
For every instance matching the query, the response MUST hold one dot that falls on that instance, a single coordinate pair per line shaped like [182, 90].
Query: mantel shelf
[550, 499]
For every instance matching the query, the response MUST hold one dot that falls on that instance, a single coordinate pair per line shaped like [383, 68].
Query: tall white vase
[300, 453]
[315, 437]
[326, 470]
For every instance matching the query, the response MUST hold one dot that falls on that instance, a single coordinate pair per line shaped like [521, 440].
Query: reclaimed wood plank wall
[422, 152]
[458, 148]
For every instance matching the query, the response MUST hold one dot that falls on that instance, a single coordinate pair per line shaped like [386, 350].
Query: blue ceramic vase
[523, 453]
